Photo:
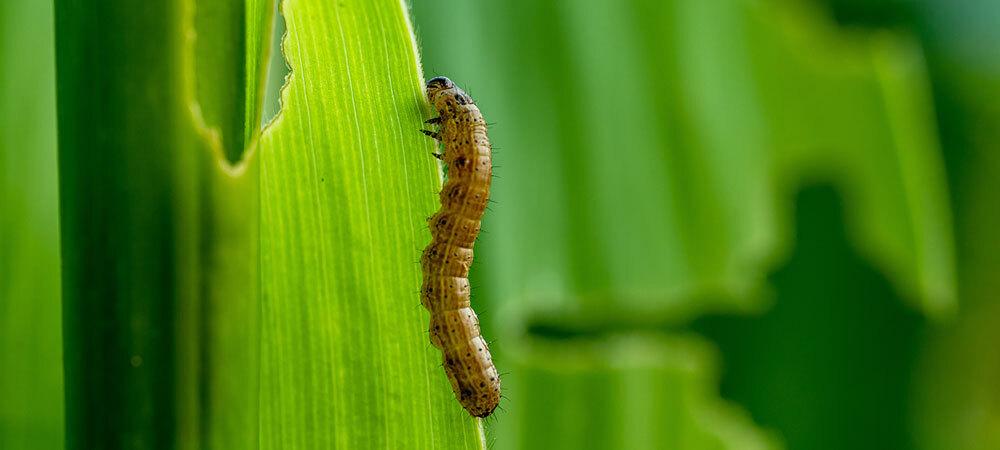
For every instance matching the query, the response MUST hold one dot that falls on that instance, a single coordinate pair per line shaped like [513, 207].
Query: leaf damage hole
[277, 70]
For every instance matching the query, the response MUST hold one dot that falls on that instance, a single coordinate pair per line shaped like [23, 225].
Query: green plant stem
[159, 234]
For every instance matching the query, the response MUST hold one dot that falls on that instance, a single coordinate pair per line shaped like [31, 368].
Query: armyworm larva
[454, 327]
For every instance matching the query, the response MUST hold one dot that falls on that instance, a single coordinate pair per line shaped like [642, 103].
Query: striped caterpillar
[454, 327]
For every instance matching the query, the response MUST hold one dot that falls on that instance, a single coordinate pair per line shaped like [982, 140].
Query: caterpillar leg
[433, 121]
[434, 134]
[439, 156]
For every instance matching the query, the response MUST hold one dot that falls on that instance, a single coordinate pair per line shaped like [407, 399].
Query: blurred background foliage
[718, 224]
[759, 197]
[31, 412]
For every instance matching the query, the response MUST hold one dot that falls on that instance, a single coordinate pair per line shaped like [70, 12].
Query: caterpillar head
[445, 96]
[436, 85]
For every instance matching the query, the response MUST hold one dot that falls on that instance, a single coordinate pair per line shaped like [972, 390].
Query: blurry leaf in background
[653, 171]
[346, 183]
[637, 390]
[956, 400]
[953, 403]
[648, 157]
[31, 377]
[837, 350]
[854, 107]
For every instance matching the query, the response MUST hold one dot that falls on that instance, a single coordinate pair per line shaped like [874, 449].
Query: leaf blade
[346, 180]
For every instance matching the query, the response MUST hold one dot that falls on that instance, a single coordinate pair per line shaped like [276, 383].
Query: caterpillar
[454, 326]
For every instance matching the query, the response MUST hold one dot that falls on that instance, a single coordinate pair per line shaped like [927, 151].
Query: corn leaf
[346, 182]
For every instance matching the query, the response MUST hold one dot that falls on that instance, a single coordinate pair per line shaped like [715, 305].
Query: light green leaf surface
[346, 182]
[31, 378]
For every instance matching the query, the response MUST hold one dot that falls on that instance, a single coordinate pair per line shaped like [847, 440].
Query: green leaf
[31, 378]
[635, 390]
[346, 182]
[855, 109]
[159, 230]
